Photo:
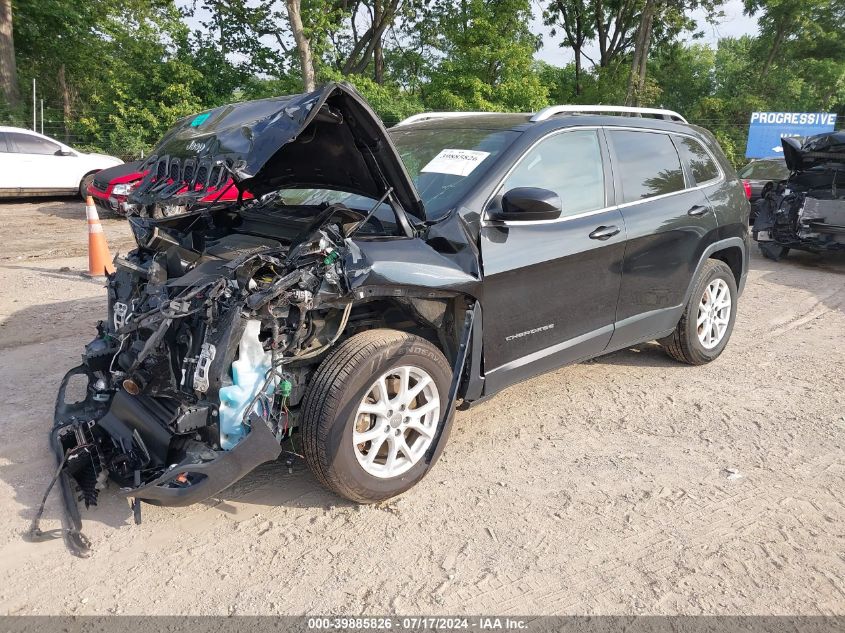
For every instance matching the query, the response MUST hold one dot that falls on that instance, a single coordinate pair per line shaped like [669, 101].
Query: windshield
[765, 170]
[443, 163]
[446, 163]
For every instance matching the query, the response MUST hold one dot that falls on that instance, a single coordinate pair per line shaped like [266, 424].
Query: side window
[3, 148]
[27, 144]
[647, 164]
[696, 158]
[569, 164]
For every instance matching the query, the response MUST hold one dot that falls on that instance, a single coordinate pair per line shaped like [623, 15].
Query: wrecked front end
[190, 381]
[219, 318]
[806, 211]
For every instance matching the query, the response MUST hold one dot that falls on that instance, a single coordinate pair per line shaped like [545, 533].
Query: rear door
[669, 221]
[551, 287]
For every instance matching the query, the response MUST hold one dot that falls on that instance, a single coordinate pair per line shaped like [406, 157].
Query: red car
[111, 188]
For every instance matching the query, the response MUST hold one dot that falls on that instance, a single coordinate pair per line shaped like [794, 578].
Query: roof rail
[428, 116]
[551, 111]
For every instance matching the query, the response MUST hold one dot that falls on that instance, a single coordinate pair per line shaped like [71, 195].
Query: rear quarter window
[698, 161]
[647, 163]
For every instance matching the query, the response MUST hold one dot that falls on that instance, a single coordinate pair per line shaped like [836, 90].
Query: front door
[551, 286]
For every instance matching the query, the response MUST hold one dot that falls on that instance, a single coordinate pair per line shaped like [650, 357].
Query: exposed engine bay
[806, 211]
[220, 316]
[205, 339]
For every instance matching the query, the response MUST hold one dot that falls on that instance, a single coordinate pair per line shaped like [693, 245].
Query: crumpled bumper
[211, 477]
[195, 478]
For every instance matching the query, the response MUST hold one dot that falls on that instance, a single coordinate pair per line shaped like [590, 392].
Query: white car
[32, 164]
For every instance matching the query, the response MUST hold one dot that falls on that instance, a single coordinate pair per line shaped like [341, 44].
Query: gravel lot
[626, 485]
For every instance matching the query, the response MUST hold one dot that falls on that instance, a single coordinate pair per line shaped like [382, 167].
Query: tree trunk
[577, 72]
[644, 60]
[636, 79]
[8, 69]
[378, 61]
[303, 45]
[378, 51]
[66, 101]
[779, 35]
[600, 32]
[635, 69]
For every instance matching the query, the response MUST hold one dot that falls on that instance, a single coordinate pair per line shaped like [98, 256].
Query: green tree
[486, 58]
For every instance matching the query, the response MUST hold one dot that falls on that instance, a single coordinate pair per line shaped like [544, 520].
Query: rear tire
[708, 319]
[352, 378]
[84, 184]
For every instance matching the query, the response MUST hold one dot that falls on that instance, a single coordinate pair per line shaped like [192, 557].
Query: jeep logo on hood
[200, 147]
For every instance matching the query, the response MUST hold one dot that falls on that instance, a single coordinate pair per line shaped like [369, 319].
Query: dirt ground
[627, 485]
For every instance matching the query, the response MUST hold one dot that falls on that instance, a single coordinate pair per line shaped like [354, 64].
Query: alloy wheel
[396, 421]
[714, 313]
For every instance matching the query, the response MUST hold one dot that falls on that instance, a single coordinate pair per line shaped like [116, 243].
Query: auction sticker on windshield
[459, 162]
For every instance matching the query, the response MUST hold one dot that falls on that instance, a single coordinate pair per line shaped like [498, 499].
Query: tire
[685, 343]
[86, 181]
[773, 251]
[330, 414]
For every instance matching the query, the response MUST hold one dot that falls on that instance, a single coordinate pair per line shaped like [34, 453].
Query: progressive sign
[767, 128]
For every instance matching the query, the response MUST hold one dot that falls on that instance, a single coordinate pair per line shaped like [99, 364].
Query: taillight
[747, 186]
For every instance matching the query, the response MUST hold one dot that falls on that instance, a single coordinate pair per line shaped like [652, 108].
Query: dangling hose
[34, 533]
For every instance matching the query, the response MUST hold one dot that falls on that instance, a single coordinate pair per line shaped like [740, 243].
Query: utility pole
[34, 113]
[42, 116]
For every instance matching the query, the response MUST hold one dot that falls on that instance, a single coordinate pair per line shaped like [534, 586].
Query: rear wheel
[372, 412]
[708, 319]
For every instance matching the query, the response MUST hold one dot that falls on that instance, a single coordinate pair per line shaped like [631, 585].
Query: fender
[457, 374]
[720, 245]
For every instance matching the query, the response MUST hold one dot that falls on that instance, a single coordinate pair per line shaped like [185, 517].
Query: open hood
[329, 139]
[814, 150]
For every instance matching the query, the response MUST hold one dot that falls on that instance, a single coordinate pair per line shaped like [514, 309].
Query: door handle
[698, 210]
[604, 232]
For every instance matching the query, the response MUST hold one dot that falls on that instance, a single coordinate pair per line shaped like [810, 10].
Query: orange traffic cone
[99, 258]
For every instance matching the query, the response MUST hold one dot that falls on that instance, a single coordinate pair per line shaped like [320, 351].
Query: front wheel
[372, 412]
[84, 184]
[708, 318]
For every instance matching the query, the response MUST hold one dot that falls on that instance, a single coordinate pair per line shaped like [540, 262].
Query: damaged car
[806, 211]
[378, 280]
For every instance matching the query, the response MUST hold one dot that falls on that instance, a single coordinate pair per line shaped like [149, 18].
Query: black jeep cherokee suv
[380, 278]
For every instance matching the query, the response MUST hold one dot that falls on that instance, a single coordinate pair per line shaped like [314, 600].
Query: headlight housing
[123, 189]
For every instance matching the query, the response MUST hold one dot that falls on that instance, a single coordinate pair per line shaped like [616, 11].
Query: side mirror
[63, 152]
[528, 203]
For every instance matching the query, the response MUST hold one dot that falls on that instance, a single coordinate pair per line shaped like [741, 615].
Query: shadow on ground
[819, 274]
[45, 323]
